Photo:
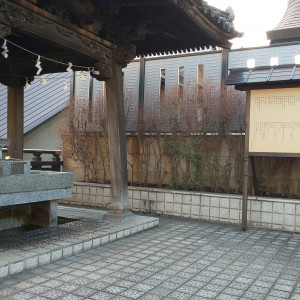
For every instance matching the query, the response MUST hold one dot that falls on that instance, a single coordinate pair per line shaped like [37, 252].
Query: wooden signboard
[272, 129]
[274, 125]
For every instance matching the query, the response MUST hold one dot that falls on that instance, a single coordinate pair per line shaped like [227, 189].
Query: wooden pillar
[117, 145]
[15, 120]
[246, 164]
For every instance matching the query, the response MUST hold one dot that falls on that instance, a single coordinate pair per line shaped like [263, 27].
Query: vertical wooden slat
[15, 120]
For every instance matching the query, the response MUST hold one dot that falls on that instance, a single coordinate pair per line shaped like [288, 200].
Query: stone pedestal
[118, 214]
[42, 214]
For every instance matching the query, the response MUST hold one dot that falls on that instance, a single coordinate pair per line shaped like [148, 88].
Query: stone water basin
[30, 197]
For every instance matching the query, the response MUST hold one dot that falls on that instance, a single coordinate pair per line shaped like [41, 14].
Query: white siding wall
[98, 89]
[212, 63]
[286, 54]
[131, 83]
[132, 78]
[82, 87]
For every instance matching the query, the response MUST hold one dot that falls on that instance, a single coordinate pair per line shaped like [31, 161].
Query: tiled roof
[291, 18]
[41, 102]
[271, 76]
[288, 30]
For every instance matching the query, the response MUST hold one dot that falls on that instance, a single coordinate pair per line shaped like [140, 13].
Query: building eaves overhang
[167, 26]
[86, 33]
[264, 77]
[284, 35]
[154, 26]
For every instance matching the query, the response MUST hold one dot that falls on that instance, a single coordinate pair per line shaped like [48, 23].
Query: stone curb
[30, 262]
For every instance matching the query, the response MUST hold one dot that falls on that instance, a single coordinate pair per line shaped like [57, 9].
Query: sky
[254, 18]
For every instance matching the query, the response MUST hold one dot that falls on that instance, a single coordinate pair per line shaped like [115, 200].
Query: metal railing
[37, 163]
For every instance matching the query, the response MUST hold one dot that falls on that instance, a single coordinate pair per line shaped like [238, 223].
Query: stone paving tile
[180, 259]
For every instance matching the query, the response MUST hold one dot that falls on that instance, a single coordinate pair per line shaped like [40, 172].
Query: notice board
[274, 123]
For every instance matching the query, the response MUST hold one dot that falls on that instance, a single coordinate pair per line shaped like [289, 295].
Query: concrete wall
[272, 213]
[43, 137]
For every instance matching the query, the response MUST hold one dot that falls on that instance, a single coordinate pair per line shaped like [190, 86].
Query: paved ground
[24, 250]
[180, 259]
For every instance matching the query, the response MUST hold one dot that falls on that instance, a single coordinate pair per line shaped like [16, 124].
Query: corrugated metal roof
[243, 78]
[41, 101]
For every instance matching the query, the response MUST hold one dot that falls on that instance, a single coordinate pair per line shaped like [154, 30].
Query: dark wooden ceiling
[153, 26]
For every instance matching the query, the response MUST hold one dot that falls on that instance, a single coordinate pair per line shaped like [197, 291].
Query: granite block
[44, 259]
[37, 196]
[56, 255]
[87, 245]
[36, 181]
[67, 251]
[104, 239]
[31, 263]
[96, 242]
[120, 234]
[3, 271]
[77, 248]
[126, 232]
[15, 268]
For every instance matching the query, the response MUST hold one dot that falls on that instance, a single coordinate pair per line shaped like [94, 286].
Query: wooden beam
[15, 120]
[274, 154]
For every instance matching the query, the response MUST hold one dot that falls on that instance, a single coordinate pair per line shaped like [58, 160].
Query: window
[200, 99]
[180, 83]
[251, 63]
[274, 61]
[162, 88]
